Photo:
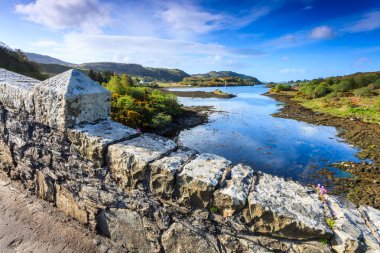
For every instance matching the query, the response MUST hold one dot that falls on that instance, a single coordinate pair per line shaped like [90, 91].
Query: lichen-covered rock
[45, 185]
[68, 99]
[232, 244]
[163, 172]
[181, 239]
[6, 161]
[233, 194]
[128, 160]
[126, 227]
[372, 218]
[15, 91]
[196, 182]
[68, 204]
[286, 209]
[92, 140]
[351, 234]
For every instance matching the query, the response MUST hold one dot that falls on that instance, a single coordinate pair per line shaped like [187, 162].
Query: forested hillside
[16, 60]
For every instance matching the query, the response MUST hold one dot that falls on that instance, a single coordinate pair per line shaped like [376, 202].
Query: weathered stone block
[70, 98]
[163, 172]
[233, 194]
[372, 218]
[68, 204]
[179, 238]
[286, 209]
[351, 234]
[128, 160]
[126, 227]
[196, 183]
[6, 161]
[15, 91]
[92, 140]
[45, 185]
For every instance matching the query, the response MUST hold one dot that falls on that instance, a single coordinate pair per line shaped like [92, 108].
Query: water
[246, 132]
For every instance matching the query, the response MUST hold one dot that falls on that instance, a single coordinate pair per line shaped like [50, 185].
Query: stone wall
[148, 194]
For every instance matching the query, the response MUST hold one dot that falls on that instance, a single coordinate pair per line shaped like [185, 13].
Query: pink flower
[322, 190]
[139, 130]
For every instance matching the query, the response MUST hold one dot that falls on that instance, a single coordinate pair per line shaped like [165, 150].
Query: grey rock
[70, 98]
[67, 202]
[45, 185]
[197, 181]
[351, 234]
[15, 91]
[128, 160]
[92, 140]
[232, 196]
[163, 172]
[286, 209]
[181, 239]
[127, 227]
[372, 218]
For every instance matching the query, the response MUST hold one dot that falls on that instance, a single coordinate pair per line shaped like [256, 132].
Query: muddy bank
[192, 116]
[364, 186]
[199, 94]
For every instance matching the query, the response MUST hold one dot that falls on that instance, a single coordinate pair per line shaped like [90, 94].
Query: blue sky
[274, 40]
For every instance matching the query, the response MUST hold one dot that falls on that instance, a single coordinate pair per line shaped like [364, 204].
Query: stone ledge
[163, 172]
[233, 194]
[351, 234]
[128, 160]
[286, 209]
[198, 180]
[92, 140]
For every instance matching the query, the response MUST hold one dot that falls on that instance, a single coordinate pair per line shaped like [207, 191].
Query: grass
[366, 109]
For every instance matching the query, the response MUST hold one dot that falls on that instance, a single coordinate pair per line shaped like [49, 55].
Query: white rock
[128, 160]
[16, 91]
[372, 218]
[163, 171]
[197, 181]
[92, 140]
[70, 98]
[286, 209]
[233, 194]
[351, 234]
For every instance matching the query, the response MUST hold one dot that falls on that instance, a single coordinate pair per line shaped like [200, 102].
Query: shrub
[161, 120]
[363, 92]
[344, 86]
[282, 87]
[307, 89]
[377, 84]
[321, 90]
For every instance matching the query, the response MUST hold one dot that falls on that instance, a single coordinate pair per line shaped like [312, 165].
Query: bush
[376, 84]
[161, 120]
[321, 90]
[282, 87]
[307, 89]
[363, 92]
[344, 86]
[144, 108]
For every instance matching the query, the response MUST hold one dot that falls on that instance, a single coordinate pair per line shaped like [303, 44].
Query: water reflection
[248, 133]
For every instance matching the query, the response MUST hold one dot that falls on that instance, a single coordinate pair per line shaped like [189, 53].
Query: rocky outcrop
[148, 194]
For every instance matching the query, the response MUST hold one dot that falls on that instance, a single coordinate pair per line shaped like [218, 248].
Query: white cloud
[292, 71]
[322, 33]
[87, 15]
[148, 51]
[370, 22]
[285, 58]
[189, 18]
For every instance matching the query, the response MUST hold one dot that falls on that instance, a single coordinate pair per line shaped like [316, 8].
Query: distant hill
[160, 74]
[16, 61]
[220, 78]
[55, 66]
[45, 59]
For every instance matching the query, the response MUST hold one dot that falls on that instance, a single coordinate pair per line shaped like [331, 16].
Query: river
[245, 131]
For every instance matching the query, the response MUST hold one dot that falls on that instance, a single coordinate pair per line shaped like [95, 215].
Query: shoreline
[199, 94]
[364, 186]
[192, 116]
